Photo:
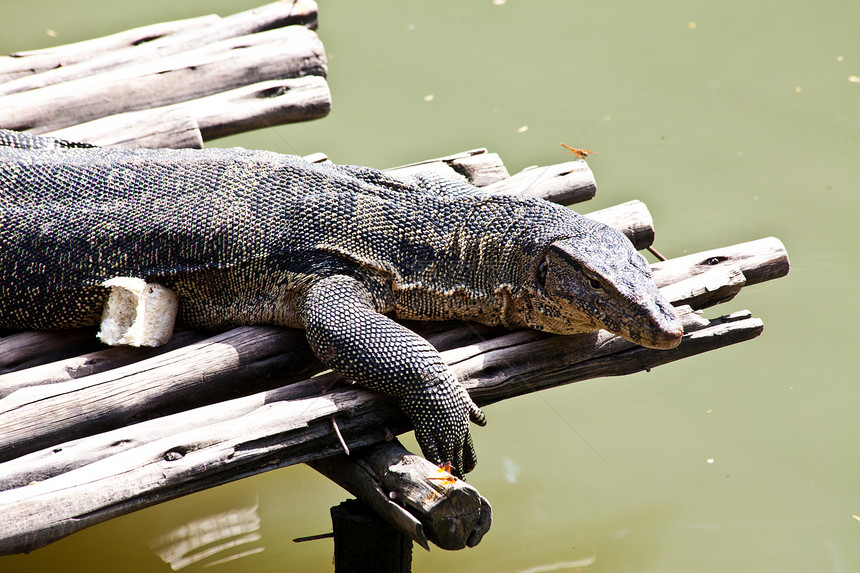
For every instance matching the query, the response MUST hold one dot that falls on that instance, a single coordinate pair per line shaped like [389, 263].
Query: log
[82, 365]
[26, 349]
[168, 126]
[92, 57]
[481, 170]
[281, 53]
[563, 183]
[38, 416]
[631, 218]
[760, 260]
[260, 105]
[26, 63]
[150, 462]
[441, 165]
[188, 123]
[412, 494]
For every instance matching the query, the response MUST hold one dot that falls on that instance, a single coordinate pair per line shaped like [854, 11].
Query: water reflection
[216, 539]
[571, 566]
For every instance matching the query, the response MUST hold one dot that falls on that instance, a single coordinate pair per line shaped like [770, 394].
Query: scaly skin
[253, 237]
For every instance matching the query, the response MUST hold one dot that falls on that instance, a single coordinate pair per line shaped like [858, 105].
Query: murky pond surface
[733, 121]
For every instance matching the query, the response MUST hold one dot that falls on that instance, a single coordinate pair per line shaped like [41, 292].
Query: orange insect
[445, 468]
[581, 153]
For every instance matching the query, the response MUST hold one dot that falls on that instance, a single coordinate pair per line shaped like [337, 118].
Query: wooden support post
[365, 542]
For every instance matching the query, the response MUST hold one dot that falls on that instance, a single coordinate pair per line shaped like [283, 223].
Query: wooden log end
[391, 480]
[564, 183]
[632, 218]
[760, 260]
[166, 127]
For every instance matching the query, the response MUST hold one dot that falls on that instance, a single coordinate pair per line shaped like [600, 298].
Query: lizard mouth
[663, 331]
[665, 339]
[652, 326]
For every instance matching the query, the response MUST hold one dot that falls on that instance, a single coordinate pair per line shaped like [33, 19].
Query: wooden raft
[173, 84]
[88, 433]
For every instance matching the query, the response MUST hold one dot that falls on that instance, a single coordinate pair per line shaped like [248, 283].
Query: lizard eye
[594, 282]
[542, 270]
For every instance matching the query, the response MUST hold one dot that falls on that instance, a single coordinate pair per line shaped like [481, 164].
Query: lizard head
[598, 280]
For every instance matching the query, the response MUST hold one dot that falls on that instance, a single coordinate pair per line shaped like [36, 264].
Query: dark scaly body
[253, 237]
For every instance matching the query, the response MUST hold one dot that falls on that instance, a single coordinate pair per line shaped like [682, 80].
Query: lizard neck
[476, 271]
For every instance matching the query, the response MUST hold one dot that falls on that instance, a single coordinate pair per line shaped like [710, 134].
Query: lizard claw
[476, 415]
[442, 425]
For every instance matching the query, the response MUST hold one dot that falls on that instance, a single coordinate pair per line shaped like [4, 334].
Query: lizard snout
[664, 329]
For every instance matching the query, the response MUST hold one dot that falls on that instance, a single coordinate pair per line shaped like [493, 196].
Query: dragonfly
[581, 153]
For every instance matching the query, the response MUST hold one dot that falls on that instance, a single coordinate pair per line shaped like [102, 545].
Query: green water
[733, 121]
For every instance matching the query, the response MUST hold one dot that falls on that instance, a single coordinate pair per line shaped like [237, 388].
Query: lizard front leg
[351, 337]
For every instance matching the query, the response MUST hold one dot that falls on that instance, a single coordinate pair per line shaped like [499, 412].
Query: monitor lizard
[255, 237]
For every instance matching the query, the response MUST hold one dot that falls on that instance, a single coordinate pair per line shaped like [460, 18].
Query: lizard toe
[470, 458]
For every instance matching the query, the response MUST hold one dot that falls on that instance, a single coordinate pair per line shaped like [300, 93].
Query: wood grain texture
[25, 71]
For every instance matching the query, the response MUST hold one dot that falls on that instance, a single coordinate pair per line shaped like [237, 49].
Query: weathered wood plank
[261, 105]
[26, 349]
[88, 59]
[39, 416]
[82, 365]
[169, 126]
[563, 183]
[760, 260]
[631, 218]
[481, 170]
[281, 53]
[25, 63]
[188, 123]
